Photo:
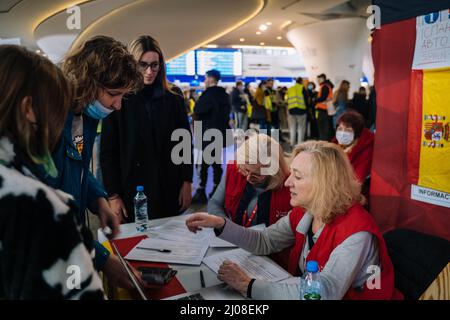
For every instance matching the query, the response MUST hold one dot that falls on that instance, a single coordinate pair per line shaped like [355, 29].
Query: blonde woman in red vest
[327, 225]
[248, 196]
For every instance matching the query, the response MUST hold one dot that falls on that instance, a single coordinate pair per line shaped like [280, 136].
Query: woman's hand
[185, 197]
[234, 276]
[107, 218]
[205, 220]
[118, 208]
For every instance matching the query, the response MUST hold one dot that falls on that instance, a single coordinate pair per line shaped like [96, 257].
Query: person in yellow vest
[324, 121]
[296, 97]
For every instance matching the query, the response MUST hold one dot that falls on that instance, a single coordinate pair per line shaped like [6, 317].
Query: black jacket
[213, 109]
[238, 104]
[136, 150]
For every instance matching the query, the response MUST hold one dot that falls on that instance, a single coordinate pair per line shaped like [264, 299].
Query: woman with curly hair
[102, 72]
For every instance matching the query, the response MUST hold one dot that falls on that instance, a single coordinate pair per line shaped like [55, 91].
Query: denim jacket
[73, 172]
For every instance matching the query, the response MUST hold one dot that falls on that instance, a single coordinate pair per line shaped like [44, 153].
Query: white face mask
[345, 138]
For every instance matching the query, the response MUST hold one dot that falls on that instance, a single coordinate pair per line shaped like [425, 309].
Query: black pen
[154, 249]
[202, 280]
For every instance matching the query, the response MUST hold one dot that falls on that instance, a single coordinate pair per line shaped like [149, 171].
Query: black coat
[136, 150]
[213, 109]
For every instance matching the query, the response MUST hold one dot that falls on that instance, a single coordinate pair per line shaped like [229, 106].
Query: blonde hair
[261, 145]
[100, 62]
[335, 186]
[26, 74]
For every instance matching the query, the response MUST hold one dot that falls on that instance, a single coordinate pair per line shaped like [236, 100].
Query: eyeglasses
[247, 173]
[154, 66]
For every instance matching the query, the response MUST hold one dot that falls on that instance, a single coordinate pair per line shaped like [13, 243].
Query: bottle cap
[312, 266]
[139, 188]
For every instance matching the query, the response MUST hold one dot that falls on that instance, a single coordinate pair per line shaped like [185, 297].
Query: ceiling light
[242, 39]
[263, 27]
[258, 32]
[212, 46]
[269, 23]
[279, 38]
[284, 25]
[262, 44]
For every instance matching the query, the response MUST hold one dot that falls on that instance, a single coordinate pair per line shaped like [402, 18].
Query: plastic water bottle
[311, 287]
[140, 209]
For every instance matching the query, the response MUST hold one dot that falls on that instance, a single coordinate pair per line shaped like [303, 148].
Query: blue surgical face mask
[310, 87]
[97, 111]
[344, 138]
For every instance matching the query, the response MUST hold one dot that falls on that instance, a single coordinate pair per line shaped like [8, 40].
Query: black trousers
[323, 122]
[217, 170]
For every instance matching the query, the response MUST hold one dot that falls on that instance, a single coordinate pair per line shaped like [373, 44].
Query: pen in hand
[202, 279]
[155, 249]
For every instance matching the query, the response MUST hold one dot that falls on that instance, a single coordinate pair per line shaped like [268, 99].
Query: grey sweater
[347, 265]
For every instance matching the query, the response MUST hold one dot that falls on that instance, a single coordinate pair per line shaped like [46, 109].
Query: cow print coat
[43, 253]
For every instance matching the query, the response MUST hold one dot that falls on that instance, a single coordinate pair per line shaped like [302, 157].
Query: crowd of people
[314, 203]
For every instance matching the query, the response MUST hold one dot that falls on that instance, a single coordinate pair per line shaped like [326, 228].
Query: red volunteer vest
[279, 204]
[234, 189]
[355, 220]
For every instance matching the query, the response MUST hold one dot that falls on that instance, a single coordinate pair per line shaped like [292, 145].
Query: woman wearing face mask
[102, 71]
[136, 145]
[356, 141]
[251, 193]
[39, 237]
[327, 225]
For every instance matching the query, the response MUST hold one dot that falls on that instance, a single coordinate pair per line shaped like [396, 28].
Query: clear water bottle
[311, 285]
[140, 209]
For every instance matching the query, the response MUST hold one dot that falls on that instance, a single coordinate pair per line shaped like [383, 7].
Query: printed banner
[430, 196]
[432, 48]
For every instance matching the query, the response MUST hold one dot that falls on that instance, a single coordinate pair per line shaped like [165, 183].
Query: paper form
[181, 252]
[257, 267]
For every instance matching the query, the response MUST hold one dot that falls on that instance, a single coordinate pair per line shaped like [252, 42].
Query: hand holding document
[257, 267]
[168, 251]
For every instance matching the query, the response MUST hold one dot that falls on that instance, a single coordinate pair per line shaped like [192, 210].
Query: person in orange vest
[327, 225]
[324, 121]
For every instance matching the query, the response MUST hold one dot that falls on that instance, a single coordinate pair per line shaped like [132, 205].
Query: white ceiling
[179, 25]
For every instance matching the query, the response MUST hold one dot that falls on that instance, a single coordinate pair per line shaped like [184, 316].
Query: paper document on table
[176, 230]
[180, 252]
[257, 267]
[216, 242]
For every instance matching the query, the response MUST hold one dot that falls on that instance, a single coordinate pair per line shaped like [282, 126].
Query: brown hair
[100, 62]
[335, 186]
[144, 44]
[342, 90]
[26, 74]
[352, 119]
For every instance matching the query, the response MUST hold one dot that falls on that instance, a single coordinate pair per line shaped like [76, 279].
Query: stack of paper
[170, 251]
[257, 267]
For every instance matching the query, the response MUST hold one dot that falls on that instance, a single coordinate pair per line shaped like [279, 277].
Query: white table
[188, 276]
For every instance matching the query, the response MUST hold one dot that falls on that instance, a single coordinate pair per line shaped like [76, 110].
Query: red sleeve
[362, 163]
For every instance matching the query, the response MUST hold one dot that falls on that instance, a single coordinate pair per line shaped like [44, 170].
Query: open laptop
[217, 292]
[133, 278]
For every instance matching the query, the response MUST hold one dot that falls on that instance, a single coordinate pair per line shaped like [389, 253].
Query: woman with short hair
[356, 141]
[327, 225]
[252, 190]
